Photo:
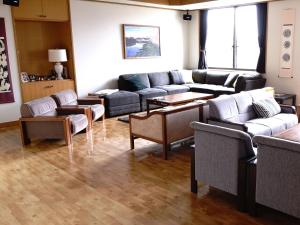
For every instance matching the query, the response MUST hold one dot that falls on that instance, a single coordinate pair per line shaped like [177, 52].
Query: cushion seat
[97, 111]
[149, 93]
[121, 102]
[174, 88]
[78, 122]
[211, 89]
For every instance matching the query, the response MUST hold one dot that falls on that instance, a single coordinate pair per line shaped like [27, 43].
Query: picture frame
[24, 77]
[141, 41]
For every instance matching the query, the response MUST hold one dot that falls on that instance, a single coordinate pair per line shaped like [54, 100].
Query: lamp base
[58, 68]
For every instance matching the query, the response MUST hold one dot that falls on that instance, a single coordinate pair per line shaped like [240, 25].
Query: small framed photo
[24, 77]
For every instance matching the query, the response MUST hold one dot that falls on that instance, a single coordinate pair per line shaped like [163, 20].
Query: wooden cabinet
[38, 89]
[42, 10]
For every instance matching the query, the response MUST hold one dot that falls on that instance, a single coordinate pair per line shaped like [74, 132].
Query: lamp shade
[57, 55]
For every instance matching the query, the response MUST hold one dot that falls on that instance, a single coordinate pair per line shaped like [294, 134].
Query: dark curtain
[203, 33]
[262, 10]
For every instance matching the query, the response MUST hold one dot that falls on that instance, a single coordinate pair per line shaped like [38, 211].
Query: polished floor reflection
[99, 180]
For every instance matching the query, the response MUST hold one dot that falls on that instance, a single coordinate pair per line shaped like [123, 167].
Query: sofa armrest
[249, 83]
[43, 119]
[90, 101]
[288, 109]
[228, 124]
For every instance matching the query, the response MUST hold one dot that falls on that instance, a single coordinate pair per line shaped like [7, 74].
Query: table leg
[148, 108]
[194, 185]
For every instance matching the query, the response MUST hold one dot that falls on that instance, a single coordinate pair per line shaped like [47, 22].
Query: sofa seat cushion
[97, 111]
[159, 79]
[274, 125]
[121, 98]
[78, 122]
[211, 89]
[258, 129]
[174, 88]
[289, 120]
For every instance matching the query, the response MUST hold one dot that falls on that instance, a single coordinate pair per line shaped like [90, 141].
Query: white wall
[10, 111]
[193, 40]
[287, 85]
[98, 43]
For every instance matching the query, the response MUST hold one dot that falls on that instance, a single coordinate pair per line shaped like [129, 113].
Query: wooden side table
[281, 98]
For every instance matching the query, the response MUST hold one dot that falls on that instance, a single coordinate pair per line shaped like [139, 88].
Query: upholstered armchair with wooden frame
[40, 120]
[166, 125]
[68, 101]
[220, 160]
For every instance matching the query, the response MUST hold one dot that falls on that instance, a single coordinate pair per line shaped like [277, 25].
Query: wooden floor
[100, 181]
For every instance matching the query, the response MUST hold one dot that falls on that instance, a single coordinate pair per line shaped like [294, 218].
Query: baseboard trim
[9, 124]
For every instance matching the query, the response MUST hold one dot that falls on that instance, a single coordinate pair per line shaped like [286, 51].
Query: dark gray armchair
[220, 159]
[277, 175]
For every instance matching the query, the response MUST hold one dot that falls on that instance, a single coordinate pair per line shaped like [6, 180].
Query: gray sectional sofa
[236, 111]
[134, 89]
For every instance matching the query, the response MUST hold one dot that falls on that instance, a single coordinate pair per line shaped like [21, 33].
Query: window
[232, 38]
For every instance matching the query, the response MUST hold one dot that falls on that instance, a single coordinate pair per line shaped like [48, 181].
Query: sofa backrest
[67, 97]
[236, 107]
[210, 77]
[124, 81]
[39, 107]
[159, 79]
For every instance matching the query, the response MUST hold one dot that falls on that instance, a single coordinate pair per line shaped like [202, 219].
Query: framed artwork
[141, 41]
[6, 91]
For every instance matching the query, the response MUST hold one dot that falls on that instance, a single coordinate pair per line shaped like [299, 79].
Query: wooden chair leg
[131, 142]
[242, 185]
[194, 184]
[24, 136]
[166, 148]
[67, 132]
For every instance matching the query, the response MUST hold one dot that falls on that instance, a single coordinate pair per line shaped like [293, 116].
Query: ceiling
[183, 4]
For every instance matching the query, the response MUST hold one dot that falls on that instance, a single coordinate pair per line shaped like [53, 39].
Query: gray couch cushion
[67, 97]
[289, 120]
[159, 79]
[174, 88]
[210, 89]
[125, 82]
[217, 78]
[176, 77]
[275, 125]
[39, 107]
[199, 76]
[244, 104]
[97, 111]
[223, 108]
[121, 98]
[258, 129]
[150, 93]
[78, 122]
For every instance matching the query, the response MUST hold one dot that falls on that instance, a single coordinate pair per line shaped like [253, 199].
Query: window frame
[234, 42]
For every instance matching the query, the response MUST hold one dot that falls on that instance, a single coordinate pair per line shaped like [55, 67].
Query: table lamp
[58, 56]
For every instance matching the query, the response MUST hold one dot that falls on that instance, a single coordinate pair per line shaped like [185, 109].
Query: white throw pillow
[187, 76]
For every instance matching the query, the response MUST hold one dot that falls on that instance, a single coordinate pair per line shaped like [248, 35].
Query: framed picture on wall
[141, 41]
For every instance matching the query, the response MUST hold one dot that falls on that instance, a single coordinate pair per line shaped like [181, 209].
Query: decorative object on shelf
[6, 90]
[58, 56]
[24, 77]
[141, 41]
[287, 43]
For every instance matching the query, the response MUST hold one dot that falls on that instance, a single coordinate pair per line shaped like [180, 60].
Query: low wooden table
[292, 134]
[177, 99]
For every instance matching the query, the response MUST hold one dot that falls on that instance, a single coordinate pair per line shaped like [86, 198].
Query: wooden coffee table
[292, 134]
[177, 99]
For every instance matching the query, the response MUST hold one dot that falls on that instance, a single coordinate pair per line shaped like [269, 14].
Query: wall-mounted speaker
[187, 16]
[11, 2]
[287, 43]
